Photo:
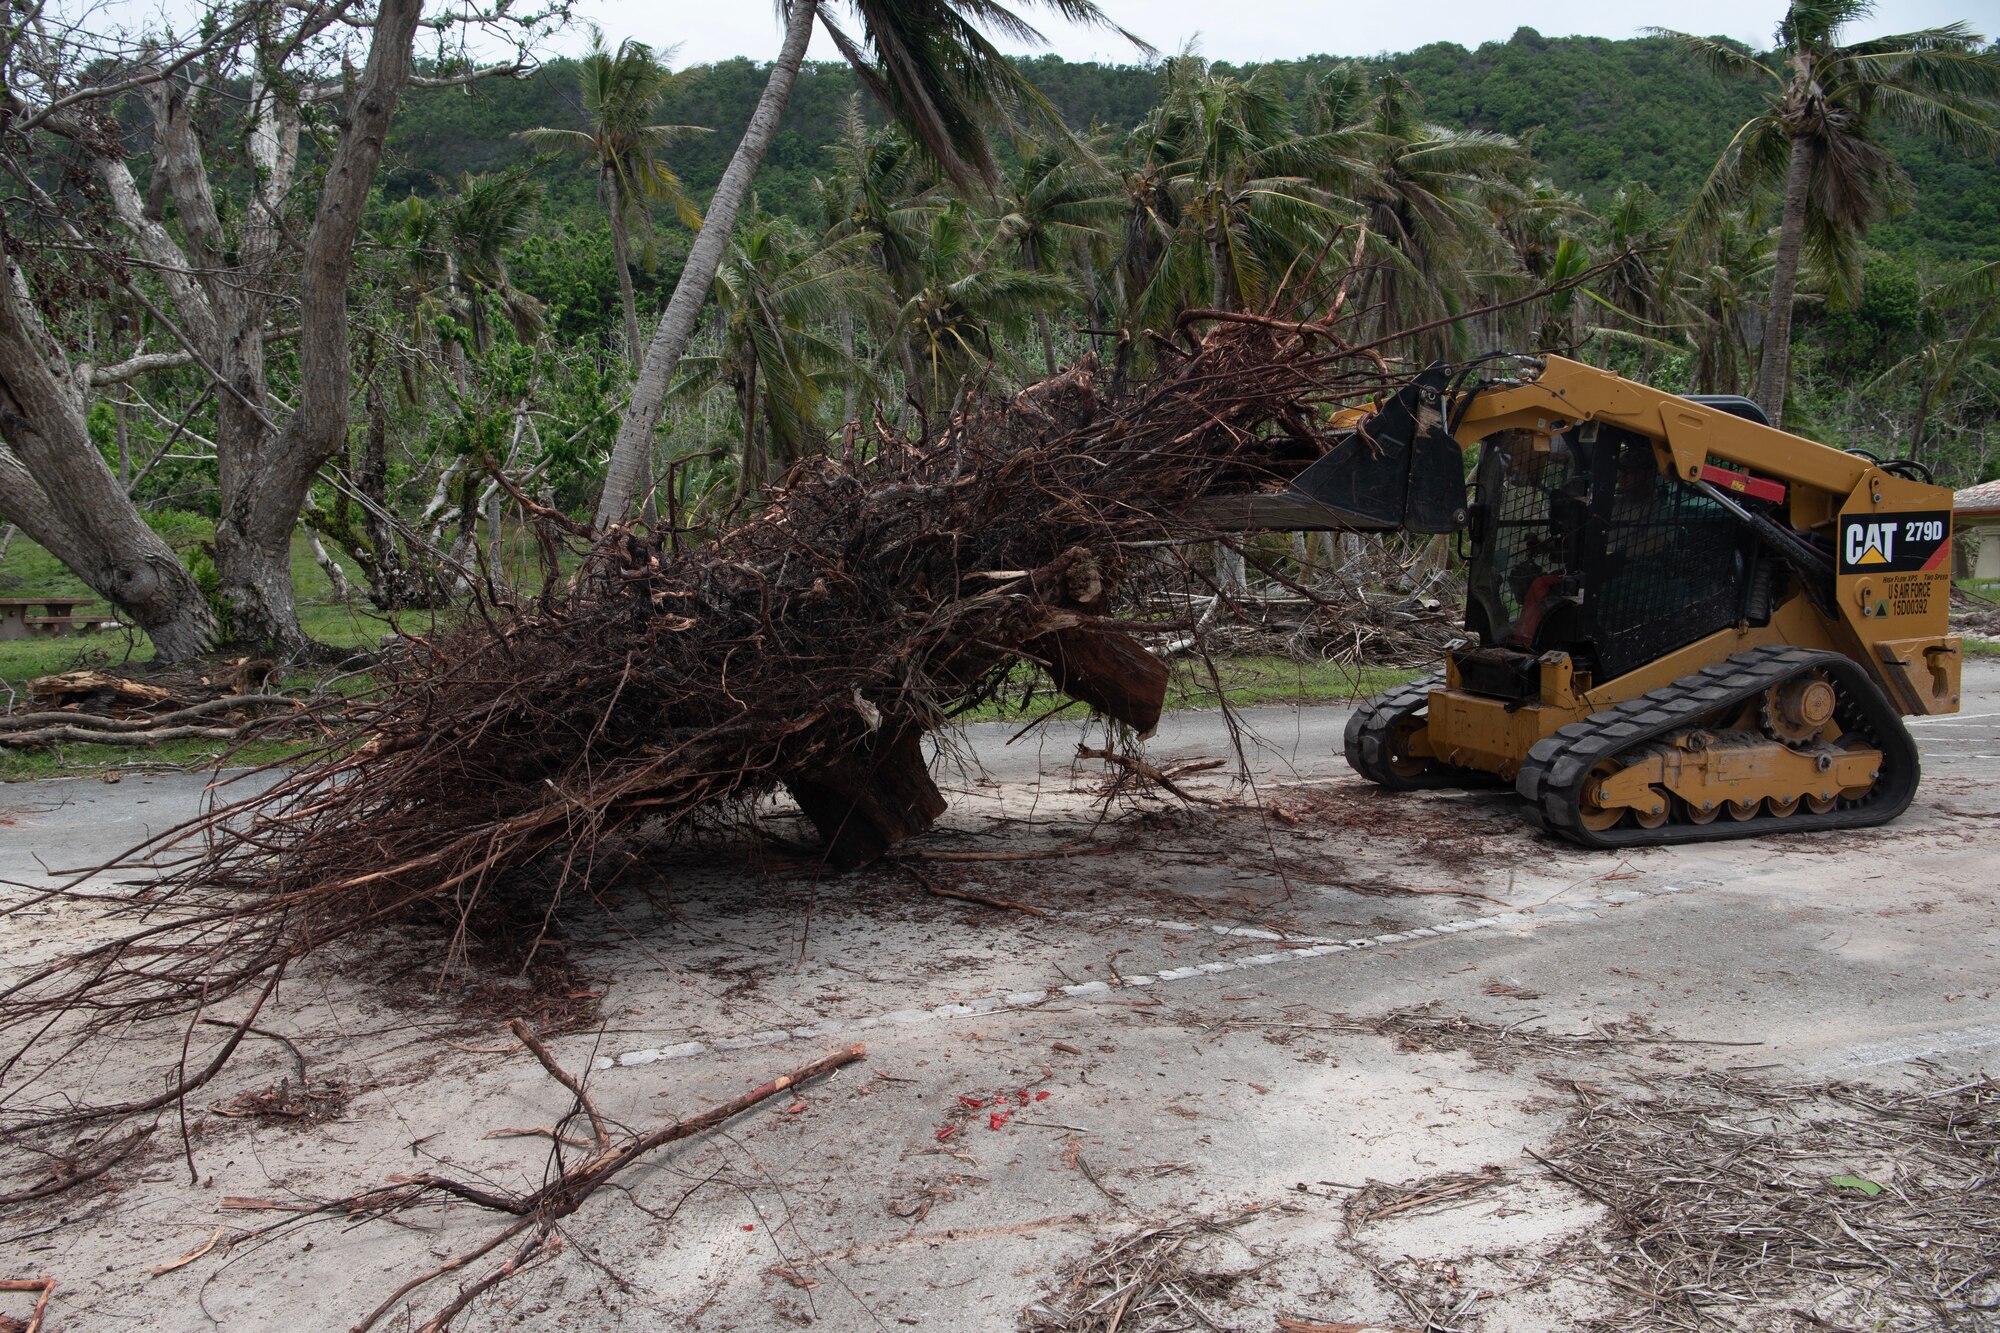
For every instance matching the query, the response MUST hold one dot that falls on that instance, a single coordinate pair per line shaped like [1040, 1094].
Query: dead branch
[562, 1076]
[931, 886]
[540, 1211]
[45, 1285]
[60, 1179]
[1138, 767]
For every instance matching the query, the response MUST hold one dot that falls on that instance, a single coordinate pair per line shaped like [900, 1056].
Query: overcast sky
[1244, 30]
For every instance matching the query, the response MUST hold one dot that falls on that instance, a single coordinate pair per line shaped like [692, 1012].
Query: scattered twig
[45, 1285]
[1140, 768]
[60, 1179]
[539, 1212]
[190, 1256]
[931, 886]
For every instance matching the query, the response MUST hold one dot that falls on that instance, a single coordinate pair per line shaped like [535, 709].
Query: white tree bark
[633, 450]
[343, 591]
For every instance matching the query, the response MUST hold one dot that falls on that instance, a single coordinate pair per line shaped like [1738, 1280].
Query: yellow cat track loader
[1682, 623]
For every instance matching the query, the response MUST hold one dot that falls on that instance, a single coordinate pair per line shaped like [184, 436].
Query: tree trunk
[1774, 373]
[122, 428]
[1107, 669]
[126, 564]
[1231, 574]
[621, 258]
[261, 507]
[336, 577]
[750, 474]
[1222, 276]
[865, 798]
[849, 393]
[1048, 343]
[56, 487]
[632, 452]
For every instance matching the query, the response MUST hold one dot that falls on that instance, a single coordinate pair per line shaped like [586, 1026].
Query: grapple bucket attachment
[1400, 470]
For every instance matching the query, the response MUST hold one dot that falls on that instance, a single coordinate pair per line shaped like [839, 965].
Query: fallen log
[1109, 670]
[112, 726]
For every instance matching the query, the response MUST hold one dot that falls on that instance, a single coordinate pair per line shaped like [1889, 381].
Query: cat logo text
[1899, 544]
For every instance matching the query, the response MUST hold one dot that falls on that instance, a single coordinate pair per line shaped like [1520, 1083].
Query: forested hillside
[1597, 114]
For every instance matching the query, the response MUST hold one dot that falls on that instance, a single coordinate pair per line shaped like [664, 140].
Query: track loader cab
[1579, 544]
[1681, 623]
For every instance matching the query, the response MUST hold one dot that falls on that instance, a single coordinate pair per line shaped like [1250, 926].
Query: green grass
[1980, 648]
[29, 571]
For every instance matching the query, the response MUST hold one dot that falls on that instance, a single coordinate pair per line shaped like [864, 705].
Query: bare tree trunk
[1222, 273]
[335, 575]
[1918, 427]
[1230, 572]
[1048, 342]
[262, 507]
[55, 486]
[496, 545]
[634, 449]
[750, 475]
[1775, 371]
[122, 428]
[849, 393]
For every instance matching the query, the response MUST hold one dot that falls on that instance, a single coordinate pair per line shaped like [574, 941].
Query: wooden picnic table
[58, 615]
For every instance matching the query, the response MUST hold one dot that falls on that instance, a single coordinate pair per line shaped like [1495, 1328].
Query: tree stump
[870, 797]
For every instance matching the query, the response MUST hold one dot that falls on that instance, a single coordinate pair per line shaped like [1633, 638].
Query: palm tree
[958, 322]
[447, 257]
[1225, 201]
[1634, 236]
[1814, 142]
[880, 187]
[1719, 289]
[622, 91]
[777, 292]
[1959, 319]
[1058, 206]
[1429, 208]
[930, 64]
[1540, 224]
[488, 216]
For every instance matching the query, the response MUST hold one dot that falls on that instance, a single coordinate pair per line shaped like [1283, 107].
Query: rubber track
[1553, 777]
[1372, 726]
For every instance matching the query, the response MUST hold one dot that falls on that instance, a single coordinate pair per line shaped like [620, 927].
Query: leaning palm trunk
[1775, 370]
[630, 455]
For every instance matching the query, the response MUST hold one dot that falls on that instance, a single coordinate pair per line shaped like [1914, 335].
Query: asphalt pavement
[1240, 1013]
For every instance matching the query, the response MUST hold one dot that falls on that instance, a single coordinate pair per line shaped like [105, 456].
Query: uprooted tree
[809, 649]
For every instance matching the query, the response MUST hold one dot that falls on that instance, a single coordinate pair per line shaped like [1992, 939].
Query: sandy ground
[1319, 1044]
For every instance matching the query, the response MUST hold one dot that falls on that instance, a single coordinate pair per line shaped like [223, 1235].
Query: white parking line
[1528, 918]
